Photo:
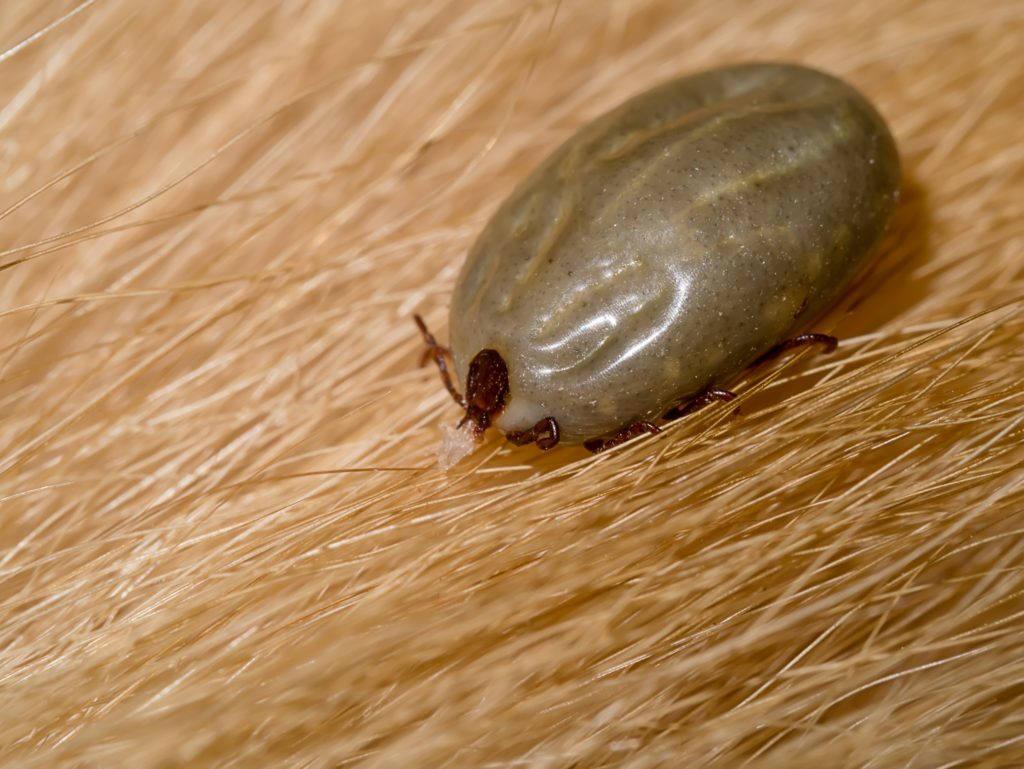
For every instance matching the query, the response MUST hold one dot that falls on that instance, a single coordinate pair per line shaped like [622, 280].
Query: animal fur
[224, 540]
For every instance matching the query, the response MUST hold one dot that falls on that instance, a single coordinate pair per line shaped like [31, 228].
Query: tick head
[486, 388]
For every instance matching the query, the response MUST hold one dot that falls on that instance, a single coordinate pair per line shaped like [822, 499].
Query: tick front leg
[597, 445]
[439, 354]
[699, 401]
[545, 434]
[428, 354]
[828, 344]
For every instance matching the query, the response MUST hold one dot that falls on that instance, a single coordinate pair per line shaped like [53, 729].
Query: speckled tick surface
[672, 241]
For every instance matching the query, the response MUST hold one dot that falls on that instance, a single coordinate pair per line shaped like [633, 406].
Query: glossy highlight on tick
[662, 249]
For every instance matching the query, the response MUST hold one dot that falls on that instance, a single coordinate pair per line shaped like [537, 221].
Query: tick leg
[597, 445]
[828, 344]
[428, 355]
[438, 353]
[545, 434]
[699, 401]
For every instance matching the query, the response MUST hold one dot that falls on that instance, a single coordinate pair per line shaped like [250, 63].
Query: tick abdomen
[672, 241]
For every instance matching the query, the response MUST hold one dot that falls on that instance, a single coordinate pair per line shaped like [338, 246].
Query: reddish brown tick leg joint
[710, 395]
[544, 434]
[597, 445]
[439, 354]
[828, 344]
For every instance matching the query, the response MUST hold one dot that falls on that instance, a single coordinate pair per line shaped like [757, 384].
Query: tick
[663, 248]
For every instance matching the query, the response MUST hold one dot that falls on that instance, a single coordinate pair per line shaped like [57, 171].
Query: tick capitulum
[486, 388]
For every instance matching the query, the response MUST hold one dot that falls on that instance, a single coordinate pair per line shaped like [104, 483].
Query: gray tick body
[667, 245]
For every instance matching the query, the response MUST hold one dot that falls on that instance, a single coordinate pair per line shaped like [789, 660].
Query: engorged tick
[663, 248]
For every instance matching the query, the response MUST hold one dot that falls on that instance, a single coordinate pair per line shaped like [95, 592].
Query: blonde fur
[224, 540]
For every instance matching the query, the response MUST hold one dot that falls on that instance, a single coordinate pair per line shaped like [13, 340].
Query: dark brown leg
[828, 344]
[699, 401]
[438, 353]
[544, 434]
[597, 445]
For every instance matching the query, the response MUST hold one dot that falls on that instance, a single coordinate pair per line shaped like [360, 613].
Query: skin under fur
[225, 540]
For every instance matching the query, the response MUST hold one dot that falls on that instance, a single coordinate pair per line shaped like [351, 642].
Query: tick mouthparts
[486, 394]
[486, 389]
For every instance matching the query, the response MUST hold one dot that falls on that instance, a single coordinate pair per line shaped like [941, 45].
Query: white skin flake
[457, 443]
